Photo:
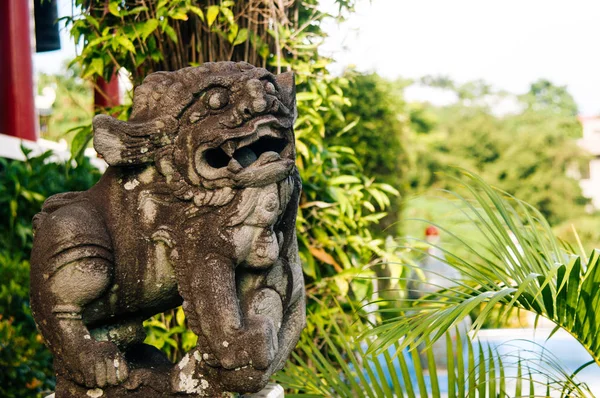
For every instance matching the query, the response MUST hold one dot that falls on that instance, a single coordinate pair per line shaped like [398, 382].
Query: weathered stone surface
[197, 207]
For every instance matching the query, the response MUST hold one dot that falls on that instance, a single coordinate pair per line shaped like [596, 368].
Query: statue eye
[270, 88]
[218, 99]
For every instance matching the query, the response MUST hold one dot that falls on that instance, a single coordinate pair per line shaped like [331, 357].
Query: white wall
[591, 186]
[10, 147]
[591, 143]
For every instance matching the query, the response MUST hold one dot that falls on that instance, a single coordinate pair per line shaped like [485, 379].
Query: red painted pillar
[17, 108]
[106, 94]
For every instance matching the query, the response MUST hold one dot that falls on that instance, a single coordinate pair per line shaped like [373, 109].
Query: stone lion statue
[197, 207]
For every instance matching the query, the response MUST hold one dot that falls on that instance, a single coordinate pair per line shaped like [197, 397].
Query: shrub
[25, 362]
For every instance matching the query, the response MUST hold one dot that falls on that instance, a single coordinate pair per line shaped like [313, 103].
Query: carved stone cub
[197, 207]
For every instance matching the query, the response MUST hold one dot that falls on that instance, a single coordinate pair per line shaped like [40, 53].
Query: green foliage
[169, 333]
[580, 232]
[339, 203]
[552, 107]
[529, 154]
[25, 186]
[25, 362]
[374, 126]
[546, 97]
[147, 36]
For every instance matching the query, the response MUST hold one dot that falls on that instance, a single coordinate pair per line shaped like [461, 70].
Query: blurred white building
[590, 177]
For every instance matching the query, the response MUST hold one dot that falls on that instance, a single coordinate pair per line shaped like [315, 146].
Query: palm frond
[332, 362]
[515, 261]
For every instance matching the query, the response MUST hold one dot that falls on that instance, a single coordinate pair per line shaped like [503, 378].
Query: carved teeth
[265, 145]
[248, 140]
[234, 166]
[261, 131]
[267, 131]
[229, 147]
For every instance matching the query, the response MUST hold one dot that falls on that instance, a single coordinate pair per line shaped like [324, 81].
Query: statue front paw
[97, 364]
[255, 346]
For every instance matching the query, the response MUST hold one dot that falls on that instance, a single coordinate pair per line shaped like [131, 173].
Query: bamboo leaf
[171, 33]
[197, 11]
[342, 180]
[241, 37]
[125, 42]
[211, 15]
[146, 28]
[113, 8]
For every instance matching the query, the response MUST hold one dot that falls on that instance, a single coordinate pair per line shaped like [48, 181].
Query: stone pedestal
[272, 390]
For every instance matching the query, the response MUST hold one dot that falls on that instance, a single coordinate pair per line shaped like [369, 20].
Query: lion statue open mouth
[197, 207]
[261, 156]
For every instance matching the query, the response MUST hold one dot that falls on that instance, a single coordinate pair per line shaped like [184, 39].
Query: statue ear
[130, 143]
[287, 88]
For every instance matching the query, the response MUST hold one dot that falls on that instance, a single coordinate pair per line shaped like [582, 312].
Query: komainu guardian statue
[197, 207]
